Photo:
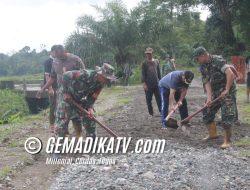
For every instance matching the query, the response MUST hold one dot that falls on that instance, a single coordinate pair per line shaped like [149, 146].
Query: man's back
[70, 63]
[173, 80]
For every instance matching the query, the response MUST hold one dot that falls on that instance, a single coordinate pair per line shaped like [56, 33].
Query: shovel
[81, 109]
[172, 111]
[171, 121]
[175, 124]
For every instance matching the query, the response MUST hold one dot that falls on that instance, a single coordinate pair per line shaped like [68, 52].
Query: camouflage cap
[199, 51]
[107, 71]
[149, 50]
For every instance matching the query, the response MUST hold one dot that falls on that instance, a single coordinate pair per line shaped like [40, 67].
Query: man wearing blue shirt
[173, 87]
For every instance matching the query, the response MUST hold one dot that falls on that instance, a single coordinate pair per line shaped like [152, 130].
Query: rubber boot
[212, 132]
[78, 130]
[227, 139]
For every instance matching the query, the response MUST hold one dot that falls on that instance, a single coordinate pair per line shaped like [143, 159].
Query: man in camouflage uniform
[218, 80]
[62, 63]
[168, 66]
[83, 87]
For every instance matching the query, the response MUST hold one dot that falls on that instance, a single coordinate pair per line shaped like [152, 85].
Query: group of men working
[68, 81]
[219, 82]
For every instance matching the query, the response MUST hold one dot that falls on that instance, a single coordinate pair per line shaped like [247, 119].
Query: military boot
[227, 139]
[212, 132]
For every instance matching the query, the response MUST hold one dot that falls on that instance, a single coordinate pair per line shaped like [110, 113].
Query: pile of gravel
[179, 167]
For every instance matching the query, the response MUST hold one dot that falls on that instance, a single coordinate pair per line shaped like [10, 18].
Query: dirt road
[187, 162]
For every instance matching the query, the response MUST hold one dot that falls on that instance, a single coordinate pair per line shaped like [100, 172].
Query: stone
[149, 175]
[120, 181]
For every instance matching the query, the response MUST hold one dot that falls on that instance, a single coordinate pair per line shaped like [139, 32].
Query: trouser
[149, 95]
[236, 118]
[165, 104]
[66, 112]
[228, 111]
[62, 125]
[52, 109]
[248, 85]
[248, 80]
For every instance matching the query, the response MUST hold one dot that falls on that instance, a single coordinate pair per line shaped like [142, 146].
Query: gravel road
[187, 163]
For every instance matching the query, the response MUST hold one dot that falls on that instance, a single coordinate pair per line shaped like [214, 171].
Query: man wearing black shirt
[52, 95]
[150, 77]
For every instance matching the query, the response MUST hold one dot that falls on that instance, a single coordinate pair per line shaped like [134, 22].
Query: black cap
[189, 76]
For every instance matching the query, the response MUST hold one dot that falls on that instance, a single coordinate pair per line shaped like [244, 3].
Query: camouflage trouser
[66, 112]
[228, 110]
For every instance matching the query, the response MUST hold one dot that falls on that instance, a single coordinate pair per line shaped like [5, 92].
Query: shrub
[13, 106]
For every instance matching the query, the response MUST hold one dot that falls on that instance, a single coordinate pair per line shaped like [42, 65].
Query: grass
[244, 142]
[245, 153]
[244, 116]
[7, 130]
[13, 106]
[4, 172]
[14, 144]
[112, 96]
[124, 101]
[21, 78]
[243, 107]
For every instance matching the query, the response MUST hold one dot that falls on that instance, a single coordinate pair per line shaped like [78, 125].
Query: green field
[244, 108]
[21, 78]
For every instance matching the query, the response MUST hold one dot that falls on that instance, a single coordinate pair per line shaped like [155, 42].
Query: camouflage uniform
[84, 88]
[168, 67]
[60, 66]
[214, 71]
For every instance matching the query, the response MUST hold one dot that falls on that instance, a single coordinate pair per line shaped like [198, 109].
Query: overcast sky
[48, 22]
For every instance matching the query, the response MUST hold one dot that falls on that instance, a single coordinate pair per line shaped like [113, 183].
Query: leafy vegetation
[13, 106]
[4, 172]
[244, 142]
[20, 78]
[119, 36]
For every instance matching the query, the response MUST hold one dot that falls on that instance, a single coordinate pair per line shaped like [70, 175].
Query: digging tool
[81, 109]
[171, 112]
[175, 124]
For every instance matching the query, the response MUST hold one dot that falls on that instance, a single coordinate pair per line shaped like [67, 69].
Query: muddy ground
[187, 162]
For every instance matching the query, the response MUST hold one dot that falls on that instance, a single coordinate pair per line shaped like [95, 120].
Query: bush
[135, 78]
[13, 106]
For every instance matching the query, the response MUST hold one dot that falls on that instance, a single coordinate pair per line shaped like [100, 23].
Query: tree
[22, 62]
[115, 34]
[241, 20]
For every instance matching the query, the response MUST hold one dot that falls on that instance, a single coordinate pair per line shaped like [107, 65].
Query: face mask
[187, 82]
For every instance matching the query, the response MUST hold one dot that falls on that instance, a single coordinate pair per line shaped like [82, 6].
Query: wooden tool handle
[94, 119]
[171, 112]
[200, 110]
